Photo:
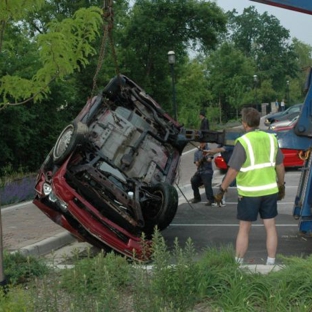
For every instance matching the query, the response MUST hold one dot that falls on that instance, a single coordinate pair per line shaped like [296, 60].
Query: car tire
[161, 215]
[72, 136]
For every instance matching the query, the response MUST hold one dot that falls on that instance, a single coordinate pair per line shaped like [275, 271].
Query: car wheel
[71, 136]
[160, 212]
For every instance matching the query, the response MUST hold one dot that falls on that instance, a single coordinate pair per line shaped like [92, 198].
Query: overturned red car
[109, 177]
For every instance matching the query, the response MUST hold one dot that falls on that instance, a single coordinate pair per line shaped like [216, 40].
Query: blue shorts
[248, 208]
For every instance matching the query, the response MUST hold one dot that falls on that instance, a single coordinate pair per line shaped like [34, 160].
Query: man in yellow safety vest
[257, 165]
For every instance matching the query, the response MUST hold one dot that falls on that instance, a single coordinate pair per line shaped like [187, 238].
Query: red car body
[291, 160]
[108, 179]
[292, 157]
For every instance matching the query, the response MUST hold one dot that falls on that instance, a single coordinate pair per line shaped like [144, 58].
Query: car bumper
[80, 218]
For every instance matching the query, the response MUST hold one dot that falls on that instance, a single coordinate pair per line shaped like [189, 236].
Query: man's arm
[215, 150]
[229, 178]
[280, 172]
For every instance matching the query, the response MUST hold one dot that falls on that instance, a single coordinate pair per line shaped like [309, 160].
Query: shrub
[17, 190]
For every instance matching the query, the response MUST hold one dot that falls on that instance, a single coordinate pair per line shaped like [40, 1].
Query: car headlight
[62, 205]
[59, 202]
[47, 189]
[52, 197]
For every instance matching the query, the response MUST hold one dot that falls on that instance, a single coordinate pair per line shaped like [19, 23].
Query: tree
[193, 93]
[230, 77]
[304, 63]
[63, 49]
[262, 38]
[156, 27]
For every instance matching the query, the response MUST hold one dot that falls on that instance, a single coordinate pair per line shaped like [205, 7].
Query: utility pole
[3, 281]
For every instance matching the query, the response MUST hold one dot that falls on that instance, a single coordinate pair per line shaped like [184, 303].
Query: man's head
[202, 145]
[250, 117]
[202, 114]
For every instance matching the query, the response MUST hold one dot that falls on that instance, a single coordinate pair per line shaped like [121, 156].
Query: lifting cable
[108, 24]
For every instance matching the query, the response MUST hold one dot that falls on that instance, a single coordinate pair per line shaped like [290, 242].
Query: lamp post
[171, 61]
[288, 98]
[255, 78]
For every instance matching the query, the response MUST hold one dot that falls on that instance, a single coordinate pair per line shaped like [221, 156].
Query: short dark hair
[202, 112]
[251, 117]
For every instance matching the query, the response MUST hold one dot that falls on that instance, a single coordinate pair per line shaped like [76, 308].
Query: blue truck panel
[303, 6]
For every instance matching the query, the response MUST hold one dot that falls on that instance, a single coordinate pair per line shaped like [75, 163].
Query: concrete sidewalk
[26, 229]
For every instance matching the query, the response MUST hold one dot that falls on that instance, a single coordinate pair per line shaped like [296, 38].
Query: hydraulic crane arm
[303, 6]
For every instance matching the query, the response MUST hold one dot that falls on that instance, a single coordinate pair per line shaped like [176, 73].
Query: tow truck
[301, 135]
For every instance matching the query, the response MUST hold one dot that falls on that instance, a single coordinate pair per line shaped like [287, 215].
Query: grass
[175, 283]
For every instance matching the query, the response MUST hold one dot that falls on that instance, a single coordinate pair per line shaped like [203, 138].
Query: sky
[299, 24]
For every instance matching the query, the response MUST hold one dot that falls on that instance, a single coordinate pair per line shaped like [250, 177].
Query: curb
[47, 245]
[260, 268]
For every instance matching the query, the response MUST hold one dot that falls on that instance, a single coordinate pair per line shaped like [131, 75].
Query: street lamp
[255, 78]
[171, 61]
[288, 98]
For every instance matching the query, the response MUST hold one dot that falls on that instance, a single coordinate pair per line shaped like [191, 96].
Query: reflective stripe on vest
[252, 156]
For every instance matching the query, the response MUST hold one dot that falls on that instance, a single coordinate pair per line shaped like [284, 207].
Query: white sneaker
[216, 205]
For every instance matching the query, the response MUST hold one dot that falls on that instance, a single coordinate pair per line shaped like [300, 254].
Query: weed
[20, 269]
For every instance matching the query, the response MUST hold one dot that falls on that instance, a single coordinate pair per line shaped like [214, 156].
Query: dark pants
[202, 179]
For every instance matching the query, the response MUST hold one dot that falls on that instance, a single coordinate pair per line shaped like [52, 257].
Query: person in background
[276, 106]
[282, 105]
[204, 124]
[203, 175]
[257, 165]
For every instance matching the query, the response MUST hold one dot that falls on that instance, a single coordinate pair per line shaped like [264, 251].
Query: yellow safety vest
[257, 177]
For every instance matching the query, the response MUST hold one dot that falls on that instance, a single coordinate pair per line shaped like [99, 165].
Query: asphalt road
[218, 226]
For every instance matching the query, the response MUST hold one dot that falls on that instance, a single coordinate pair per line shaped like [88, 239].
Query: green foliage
[230, 75]
[192, 93]
[64, 49]
[261, 38]
[20, 269]
[176, 280]
[156, 27]
[91, 274]
[14, 10]
[94, 283]
[16, 300]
